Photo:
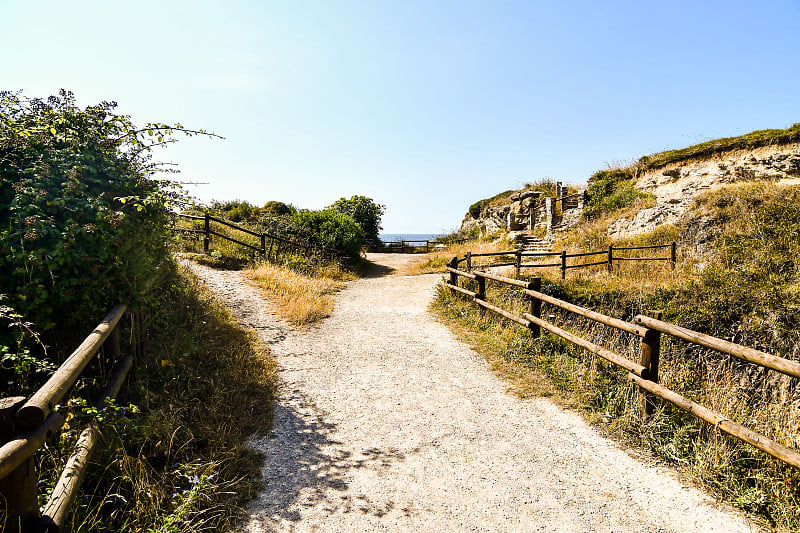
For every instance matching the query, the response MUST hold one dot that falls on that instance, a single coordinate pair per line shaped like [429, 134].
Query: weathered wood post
[453, 277]
[206, 232]
[650, 352]
[469, 261]
[111, 351]
[271, 244]
[563, 264]
[481, 294]
[263, 245]
[536, 305]
[19, 488]
[610, 257]
[518, 261]
[674, 254]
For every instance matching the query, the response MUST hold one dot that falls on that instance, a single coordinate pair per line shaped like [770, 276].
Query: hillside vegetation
[737, 278]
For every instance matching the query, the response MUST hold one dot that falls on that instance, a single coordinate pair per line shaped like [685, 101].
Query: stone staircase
[529, 243]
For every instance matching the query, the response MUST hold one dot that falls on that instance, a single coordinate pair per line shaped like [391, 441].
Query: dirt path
[386, 422]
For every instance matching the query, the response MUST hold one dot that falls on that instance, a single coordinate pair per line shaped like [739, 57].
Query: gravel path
[386, 422]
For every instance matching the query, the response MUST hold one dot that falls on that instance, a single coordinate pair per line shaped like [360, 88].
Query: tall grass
[303, 297]
[744, 287]
[178, 460]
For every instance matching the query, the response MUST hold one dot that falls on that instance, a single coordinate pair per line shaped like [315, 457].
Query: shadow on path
[376, 270]
[307, 467]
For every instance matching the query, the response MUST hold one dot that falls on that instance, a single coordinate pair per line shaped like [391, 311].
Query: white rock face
[676, 186]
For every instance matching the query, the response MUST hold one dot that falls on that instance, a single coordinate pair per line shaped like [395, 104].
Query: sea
[397, 237]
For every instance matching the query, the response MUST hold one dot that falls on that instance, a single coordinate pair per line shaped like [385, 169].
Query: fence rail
[612, 255]
[26, 424]
[643, 373]
[411, 246]
[270, 246]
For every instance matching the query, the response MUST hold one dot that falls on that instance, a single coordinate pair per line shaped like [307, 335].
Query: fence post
[650, 352]
[19, 488]
[206, 232]
[674, 254]
[111, 351]
[263, 245]
[453, 276]
[518, 261]
[536, 305]
[563, 264]
[481, 295]
[469, 261]
[610, 257]
[271, 244]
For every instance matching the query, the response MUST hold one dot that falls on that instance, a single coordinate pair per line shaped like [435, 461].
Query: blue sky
[425, 106]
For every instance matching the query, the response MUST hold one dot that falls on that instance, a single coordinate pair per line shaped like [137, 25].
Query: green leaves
[82, 225]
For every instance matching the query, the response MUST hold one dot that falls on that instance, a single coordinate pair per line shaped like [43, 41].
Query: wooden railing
[644, 372]
[270, 246]
[27, 423]
[610, 256]
[412, 246]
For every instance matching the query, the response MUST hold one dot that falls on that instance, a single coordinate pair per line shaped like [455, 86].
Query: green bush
[275, 208]
[475, 209]
[610, 190]
[332, 229]
[364, 211]
[82, 226]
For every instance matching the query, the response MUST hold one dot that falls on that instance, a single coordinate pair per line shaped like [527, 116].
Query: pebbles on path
[386, 422]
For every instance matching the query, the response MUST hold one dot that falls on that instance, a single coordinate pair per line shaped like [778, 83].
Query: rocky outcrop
[526, 210]
[676, 185]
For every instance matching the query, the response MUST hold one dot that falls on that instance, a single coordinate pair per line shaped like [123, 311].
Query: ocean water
[397, 237]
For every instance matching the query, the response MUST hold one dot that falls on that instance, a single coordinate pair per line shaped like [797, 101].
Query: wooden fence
[26, 424]
[270, 246]
[644, 372]
[412, 246]
[610, 257]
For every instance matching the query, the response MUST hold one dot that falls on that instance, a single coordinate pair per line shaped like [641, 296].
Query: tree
[364, 211]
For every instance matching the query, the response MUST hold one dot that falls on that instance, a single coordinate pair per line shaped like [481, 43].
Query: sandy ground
[386, 422]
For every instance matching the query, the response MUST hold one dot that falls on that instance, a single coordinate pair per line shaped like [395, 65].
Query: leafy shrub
[475, 209]
[332, 229]
[81, 224]
[275, 208]
[610, 190]
[364, 211]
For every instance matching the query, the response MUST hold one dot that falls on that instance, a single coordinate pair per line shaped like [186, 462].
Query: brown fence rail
[611, 256]
[412, 246]
[27, 423]
[642, 373]
[270, 246]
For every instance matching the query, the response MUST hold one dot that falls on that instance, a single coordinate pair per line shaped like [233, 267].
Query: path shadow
[368, 269]
[306, 466]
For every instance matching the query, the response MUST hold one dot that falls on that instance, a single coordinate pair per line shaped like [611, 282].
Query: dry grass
[302, 298]
[180, 462]
[434, 262]
[743, 287]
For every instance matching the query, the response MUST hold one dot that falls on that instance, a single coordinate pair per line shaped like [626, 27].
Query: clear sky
[425, 106]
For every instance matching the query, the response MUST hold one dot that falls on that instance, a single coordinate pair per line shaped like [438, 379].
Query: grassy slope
[754, 139]
[746, 289]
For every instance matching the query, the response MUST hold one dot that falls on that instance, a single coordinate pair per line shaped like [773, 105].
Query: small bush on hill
[610, 190]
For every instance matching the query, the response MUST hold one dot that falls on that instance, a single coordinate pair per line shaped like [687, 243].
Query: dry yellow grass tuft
[302, 299]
